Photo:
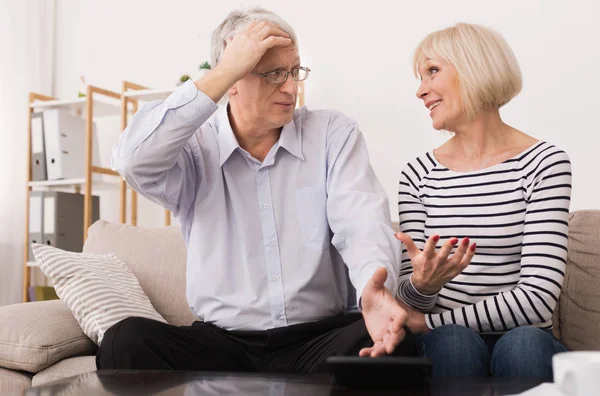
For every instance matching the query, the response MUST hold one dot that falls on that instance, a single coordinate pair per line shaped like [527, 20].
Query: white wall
[12, 184]
[25, 65]
[360, 54]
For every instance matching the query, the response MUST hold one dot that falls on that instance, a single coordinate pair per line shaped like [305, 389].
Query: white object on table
[577, 373]
[545, 389]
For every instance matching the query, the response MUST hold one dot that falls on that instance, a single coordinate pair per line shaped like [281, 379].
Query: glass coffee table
[170, 383]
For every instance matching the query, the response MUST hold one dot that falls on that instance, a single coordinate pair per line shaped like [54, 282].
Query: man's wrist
[216, 83]
[416, 322]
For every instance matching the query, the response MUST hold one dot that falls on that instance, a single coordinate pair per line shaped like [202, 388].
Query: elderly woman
[483, 217]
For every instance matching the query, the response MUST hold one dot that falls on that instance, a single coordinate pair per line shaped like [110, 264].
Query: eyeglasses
[281, 76]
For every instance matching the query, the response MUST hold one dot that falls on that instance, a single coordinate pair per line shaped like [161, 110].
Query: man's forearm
[216, 83]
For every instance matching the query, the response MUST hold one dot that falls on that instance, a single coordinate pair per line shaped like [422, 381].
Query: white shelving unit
[97, 103]
[101, 107]
[148, 95]
[97, 180]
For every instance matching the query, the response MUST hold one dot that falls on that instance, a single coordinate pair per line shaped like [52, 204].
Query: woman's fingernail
[466, 241]
[473, 246]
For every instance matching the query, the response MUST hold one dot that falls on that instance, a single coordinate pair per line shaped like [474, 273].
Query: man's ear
[233, 90]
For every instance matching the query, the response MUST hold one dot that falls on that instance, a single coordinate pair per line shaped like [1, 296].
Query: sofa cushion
[100, 290]
[65, 369]
[39, 334]
[556, 320]
[12, 381]
[580, 297]
[157, 257]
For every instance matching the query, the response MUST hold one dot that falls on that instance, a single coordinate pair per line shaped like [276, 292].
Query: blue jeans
[458, 351]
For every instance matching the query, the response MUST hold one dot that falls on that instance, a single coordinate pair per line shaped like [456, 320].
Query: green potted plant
[202, 70]
[183, 79]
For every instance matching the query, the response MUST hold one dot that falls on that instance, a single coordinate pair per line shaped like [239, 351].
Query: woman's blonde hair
[488, 72]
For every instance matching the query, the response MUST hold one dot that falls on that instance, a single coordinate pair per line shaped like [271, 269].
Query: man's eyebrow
[281, 67]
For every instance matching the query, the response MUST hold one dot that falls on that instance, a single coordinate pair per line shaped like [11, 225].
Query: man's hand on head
[244, 50]
[384, 316]
[241, 55]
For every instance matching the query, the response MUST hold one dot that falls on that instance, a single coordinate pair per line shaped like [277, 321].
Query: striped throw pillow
[100, 290]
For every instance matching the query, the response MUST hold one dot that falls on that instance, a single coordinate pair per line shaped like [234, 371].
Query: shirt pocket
[311, 204]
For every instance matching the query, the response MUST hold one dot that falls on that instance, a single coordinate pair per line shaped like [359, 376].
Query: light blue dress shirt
[269, 244]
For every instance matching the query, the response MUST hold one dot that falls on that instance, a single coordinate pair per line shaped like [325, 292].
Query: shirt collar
[227, 141]
[290, 138]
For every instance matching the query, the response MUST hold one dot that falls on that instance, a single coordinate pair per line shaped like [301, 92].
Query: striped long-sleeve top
[516, 212]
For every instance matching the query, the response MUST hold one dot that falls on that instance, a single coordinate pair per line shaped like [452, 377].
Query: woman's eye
[433, 70]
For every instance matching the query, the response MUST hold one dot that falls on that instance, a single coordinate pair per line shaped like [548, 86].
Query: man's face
[265, 105]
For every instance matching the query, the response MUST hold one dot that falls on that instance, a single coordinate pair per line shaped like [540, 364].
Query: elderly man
[287, 228]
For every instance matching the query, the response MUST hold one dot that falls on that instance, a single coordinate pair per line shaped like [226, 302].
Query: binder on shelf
[63, 219]
[36, 215]
[65, 143]
[56, 219]
[38, 148]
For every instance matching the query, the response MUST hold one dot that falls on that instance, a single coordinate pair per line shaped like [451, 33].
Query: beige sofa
[41, 342]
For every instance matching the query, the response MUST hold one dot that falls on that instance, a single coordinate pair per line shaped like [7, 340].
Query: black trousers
[138, 343]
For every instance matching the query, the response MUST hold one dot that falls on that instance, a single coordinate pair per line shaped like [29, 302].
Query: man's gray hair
[236, 21]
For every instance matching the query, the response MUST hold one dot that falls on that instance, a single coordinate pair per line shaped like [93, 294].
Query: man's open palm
[384, 317]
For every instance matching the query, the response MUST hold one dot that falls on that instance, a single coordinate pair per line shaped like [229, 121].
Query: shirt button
[266, 206]
[270, 243]
[275, 279]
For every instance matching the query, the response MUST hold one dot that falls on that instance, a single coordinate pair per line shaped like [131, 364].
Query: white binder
[64, 137]
[38, 153]
[36, 223]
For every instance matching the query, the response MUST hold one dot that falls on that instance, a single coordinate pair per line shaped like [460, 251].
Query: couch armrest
[36, 335]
